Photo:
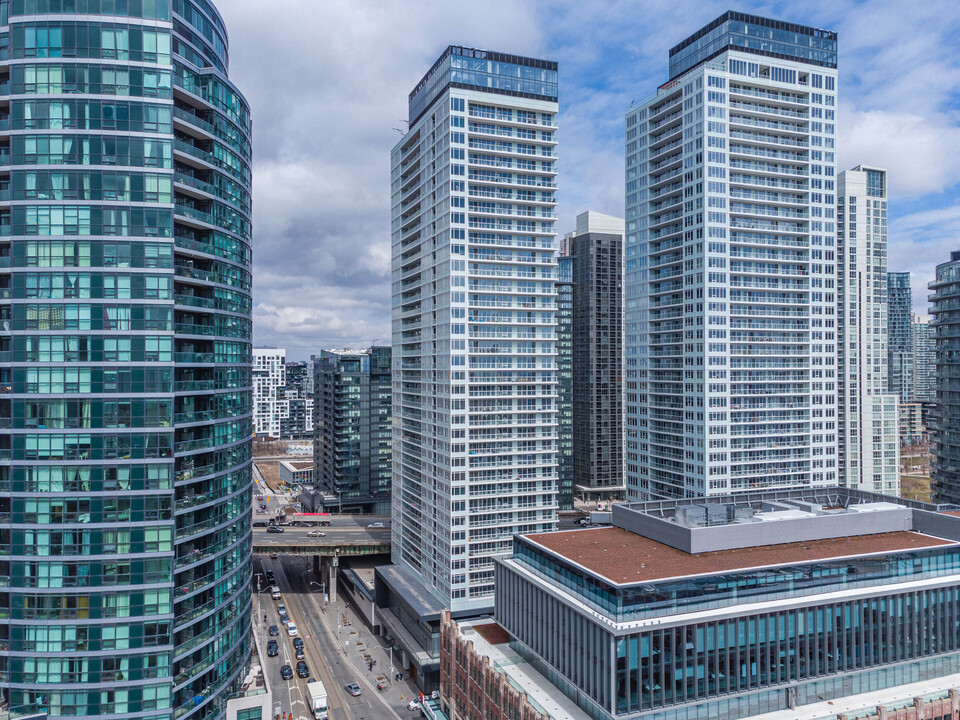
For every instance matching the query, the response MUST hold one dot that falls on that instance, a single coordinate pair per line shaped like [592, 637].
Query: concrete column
[334, 563]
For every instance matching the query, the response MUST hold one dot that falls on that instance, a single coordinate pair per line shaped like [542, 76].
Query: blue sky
[328, 83]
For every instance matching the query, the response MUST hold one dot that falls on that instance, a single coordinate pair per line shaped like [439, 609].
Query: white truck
[318, 699]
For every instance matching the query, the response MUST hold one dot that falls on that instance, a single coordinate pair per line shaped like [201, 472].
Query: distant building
[766, 604]
[945, 308]
[351, 436]
[869, 438]
[899, 335]
[269, 382]
[912, 428]
[596, 249]
[924, 360]
[295, 472]
[298, 393]
[565, 380]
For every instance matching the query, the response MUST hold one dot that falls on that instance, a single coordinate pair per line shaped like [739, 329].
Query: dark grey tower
[596, 250]
[351, 447]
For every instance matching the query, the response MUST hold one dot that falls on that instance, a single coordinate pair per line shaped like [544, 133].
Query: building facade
[474, 319]
[730, 275]
[269, 382]
[771, 602]
[924, 360]
[944, 421]
[298, 394]
[596, 248]
[900, 335]
[565, 380]
[125, 328]
[869, 457]
[352, 435]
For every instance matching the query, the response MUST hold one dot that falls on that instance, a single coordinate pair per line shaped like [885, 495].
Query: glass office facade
[125, 360]
[729, 664]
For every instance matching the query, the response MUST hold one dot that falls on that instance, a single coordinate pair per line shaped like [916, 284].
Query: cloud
[328, 83]
[924, 239]
[921, 154]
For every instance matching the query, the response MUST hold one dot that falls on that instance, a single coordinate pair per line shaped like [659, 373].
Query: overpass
[339, 541]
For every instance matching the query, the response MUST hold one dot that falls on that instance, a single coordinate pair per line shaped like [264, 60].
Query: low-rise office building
[295, 472]
[747, 604]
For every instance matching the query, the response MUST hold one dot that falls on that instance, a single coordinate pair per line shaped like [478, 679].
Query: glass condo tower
[730, 269]
[125, 413]
[474, 319]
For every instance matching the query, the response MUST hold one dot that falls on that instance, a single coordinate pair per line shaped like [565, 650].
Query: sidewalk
[360, 645]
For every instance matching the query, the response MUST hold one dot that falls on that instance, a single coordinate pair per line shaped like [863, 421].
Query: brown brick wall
[471, 688]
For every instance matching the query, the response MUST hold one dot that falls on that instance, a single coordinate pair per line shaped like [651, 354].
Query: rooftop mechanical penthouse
[743, 605]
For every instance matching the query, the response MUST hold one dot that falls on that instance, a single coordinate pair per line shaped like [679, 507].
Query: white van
[275, 592]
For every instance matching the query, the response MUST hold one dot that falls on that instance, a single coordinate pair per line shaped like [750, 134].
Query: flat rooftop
[624, 557]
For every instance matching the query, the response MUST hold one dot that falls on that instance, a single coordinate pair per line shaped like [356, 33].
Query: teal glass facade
[125, 413]
[352, 432]
[945, 300]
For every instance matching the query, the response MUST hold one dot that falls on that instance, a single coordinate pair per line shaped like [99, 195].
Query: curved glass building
[125, 390]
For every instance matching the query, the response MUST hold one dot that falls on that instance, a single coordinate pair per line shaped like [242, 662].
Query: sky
[327, 81]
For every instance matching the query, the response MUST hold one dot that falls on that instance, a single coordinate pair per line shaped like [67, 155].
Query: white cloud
[920, 153]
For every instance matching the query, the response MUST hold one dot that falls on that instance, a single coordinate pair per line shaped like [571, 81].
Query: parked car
[286, 672]
[274, 630]
[274, 529]
[272, 648]
[352, 688]
[303, 670]
[413, 705]
[316, 533]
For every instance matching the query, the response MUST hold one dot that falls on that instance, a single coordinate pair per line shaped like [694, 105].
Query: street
[335, 665]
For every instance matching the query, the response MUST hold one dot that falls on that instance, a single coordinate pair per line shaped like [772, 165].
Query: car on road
[274, 529]
[413, 705]
[303, 670]
[274, 630]
[284, 618]
[299, 654]
[273, 556]
[281, 609]
[286, 672]
[270, 576]
[352, 688]
[272, 648]
[260, 523]
[298, 643]
[291, 628]
[316, 533]
[376, 525]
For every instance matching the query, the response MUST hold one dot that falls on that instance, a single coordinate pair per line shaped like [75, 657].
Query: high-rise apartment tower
[565, 378]
[474, 303]
[351, 438]
[868, 413]
[945, 420]
[730, 271]
[924, 360]
[125, 361]
[596, 250]
[900, 336]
